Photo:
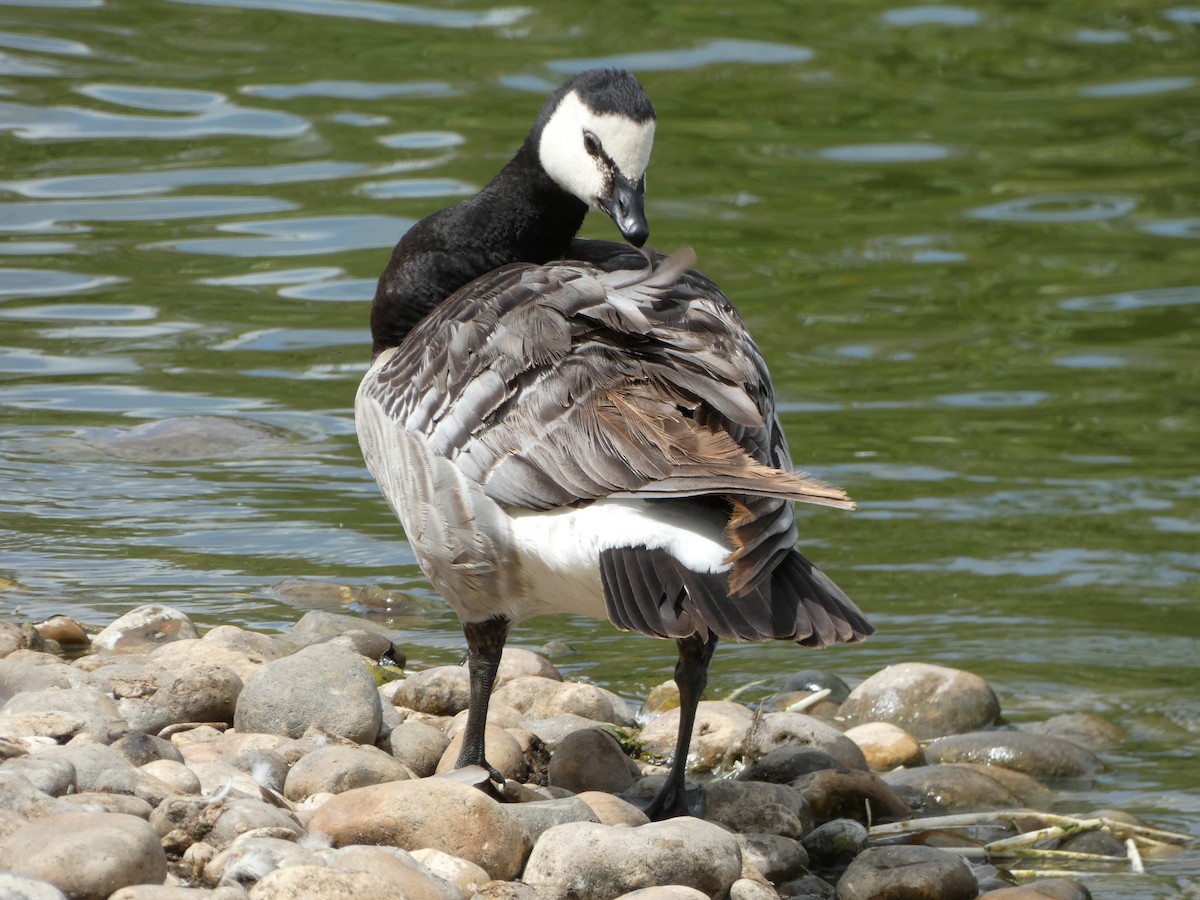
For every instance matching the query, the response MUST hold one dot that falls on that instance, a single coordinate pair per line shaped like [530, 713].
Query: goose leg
[485, 643]
[691, 675]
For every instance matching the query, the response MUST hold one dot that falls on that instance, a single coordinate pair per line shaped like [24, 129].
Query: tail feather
[648, 590]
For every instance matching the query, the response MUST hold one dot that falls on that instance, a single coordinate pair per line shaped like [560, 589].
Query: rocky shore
[163, 763]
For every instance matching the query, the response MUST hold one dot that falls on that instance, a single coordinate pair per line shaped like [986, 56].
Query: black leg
[485, 643]
[691, 675]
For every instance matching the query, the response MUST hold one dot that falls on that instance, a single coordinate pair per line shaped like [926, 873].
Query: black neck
[521, 216]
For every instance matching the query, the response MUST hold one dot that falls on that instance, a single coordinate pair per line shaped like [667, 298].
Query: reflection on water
[965, 236]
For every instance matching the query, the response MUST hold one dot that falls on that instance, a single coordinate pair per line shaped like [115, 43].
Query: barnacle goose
[576, 426]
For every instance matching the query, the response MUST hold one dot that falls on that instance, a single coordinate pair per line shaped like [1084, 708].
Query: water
[967, 237]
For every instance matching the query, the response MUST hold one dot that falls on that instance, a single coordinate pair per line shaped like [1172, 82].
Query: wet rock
[186, 437]
[1100, 843]
[1038, 755]
[440, 691]
[807, 887]
[780, 729]
[612, 861]
[64, 631]
[145, 627]
[911, 872]
[1082, 729]
[785, 764]
[86, 855]
[460, 872]
[500, 748]
[417, 745]
[814, 680]
[591, 760]
[1042, 889]
[242, 652]
[933, 790]
[842, 794]
[428, 812]
[927, 701]
[518, 663]
[773, 856]
[324, 685]
[886, 746]
[758, 806]
[18, 887]
[718, 739]
[62, 714]
[832, 845]
[336, 769]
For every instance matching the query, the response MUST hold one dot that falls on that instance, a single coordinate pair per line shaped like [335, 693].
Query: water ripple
[57, 216]
[414, 188]
[36, 43]
[1137, 88]
[116, 184]
[394, 13]
[908, 16]
[706, 54]
[1079, 207]
[352, 90]
[46, 282]
[36, 123]
[885, 153]
[300, 237]
[1127, 300]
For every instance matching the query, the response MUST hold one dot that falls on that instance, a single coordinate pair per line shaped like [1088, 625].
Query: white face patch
[563, 155]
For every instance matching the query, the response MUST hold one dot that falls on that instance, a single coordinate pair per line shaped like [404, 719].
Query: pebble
[927, 701]
[125, 759]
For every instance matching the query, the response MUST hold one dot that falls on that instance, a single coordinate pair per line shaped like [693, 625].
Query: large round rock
[1039, 755]
[927, 701]
[327, 685]
[907, 873]
[429, 812]
[599, 862]
[86, 855]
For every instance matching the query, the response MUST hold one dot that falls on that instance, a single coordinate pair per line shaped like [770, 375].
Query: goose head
[593, 138]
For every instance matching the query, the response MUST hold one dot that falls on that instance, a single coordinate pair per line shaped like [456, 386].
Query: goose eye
[591, 144]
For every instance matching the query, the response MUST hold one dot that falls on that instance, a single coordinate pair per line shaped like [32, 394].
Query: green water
[967, 238]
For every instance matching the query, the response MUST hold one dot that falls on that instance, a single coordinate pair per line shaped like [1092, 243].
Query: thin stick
[1135, 856]
[1045, 834]
[811, 700]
